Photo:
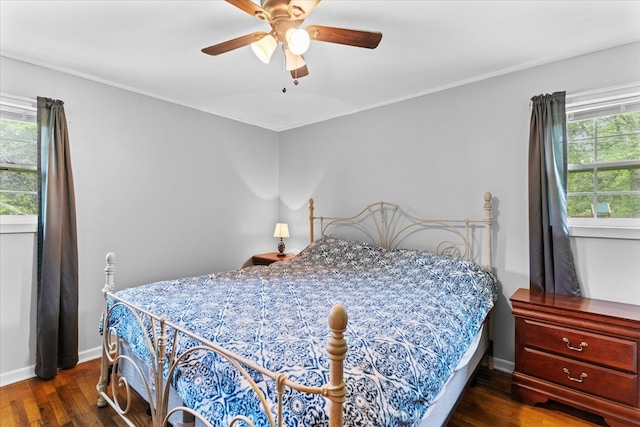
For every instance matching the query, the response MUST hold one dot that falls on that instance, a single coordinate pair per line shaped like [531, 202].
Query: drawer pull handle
[578, 380]
[583, 345]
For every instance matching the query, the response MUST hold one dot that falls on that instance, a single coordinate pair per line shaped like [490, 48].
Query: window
[604, 154]
[18, 156]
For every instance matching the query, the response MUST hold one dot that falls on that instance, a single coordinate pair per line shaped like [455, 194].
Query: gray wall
[438, 153]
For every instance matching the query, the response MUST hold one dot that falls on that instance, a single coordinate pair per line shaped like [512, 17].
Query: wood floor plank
[47, 417]
[70, 399]
[19, 414]
[73, 401]
[488, 404]
[31, 409]
[58, 409]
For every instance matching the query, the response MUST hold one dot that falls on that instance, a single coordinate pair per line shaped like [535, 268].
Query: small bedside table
[269, 258]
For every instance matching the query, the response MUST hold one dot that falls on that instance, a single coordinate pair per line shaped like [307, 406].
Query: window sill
[10, 224]
[628, 229]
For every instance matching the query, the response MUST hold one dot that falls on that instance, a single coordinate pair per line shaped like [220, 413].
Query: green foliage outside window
[605, 153]
[18, 160]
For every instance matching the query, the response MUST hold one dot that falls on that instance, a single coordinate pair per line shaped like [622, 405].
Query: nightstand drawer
[257, 260]
[618, 386]
[590, 347]
[269, 258]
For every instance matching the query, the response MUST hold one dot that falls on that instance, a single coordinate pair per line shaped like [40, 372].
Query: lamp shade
[264, 48]
[293, 61]
[282, 230]
[298, 40]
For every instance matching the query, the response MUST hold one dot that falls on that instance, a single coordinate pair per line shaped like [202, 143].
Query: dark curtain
[57, 305]
[550, 258]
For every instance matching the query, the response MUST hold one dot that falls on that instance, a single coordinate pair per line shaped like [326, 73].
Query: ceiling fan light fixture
[264, 48]
[293, 61]
[285, 17]
[298, 40]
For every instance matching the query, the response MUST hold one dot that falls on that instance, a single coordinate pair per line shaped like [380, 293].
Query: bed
[273, 345]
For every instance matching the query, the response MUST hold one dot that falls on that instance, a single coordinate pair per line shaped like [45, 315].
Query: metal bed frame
[387, 225]
[391, 226]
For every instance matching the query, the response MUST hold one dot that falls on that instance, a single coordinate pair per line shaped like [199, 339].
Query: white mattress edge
[445, 401]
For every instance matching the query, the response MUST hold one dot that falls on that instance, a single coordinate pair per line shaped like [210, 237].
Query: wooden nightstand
[269, 258]
[578, 351]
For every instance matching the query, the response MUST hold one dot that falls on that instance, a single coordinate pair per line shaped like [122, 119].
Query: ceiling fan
[285, 18]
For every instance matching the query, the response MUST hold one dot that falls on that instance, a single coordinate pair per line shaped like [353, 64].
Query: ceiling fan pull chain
[284, 79]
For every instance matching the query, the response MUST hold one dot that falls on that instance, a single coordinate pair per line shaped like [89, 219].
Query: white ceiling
[153, 47]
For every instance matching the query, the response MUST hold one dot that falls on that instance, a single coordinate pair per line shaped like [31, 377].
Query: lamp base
[281, 248]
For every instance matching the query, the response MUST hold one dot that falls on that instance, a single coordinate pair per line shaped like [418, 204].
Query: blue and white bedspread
[412, 315]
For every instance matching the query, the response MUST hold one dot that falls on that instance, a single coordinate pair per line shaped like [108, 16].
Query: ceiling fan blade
[223, 47]
[300, 9]
[367, 39]
[251, 8]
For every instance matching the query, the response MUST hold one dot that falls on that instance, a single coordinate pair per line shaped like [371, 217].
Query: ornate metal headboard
[387, 225]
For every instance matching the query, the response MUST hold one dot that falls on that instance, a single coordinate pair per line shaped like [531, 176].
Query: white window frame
[11, 224]
[613, 228]
[18, 223]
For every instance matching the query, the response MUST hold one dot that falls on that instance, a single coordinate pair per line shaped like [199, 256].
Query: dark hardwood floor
[70, 400]
[487, 402]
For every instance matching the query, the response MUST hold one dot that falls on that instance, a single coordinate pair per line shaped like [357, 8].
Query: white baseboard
[21, 374]
[28, 372]
[92, 353]
[503, 365]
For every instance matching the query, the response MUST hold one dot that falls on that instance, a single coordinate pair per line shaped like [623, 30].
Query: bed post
[337, 350]
[488, 220]
[311, 217]
[109, 286]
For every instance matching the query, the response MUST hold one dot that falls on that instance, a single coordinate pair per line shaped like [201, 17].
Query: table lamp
[281, 231]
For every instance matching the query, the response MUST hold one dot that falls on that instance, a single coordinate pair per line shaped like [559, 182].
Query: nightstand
[269, 258]
[578, 351]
